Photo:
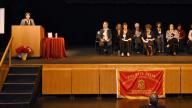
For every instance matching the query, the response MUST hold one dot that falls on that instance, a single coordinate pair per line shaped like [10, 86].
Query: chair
[97, 48]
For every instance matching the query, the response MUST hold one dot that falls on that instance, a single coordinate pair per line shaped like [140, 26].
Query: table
[54, 48]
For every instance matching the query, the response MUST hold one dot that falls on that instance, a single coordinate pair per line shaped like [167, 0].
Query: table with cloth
[54, 48]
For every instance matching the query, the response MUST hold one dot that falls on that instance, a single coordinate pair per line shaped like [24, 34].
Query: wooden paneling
[85, 81]
[4, 69]
[29, 36]
[186, 79]
[101, 78]
[108, 81]
[172, 80]
[56, 81]
[70, 66]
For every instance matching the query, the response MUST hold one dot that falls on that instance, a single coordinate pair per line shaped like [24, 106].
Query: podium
[30, 36]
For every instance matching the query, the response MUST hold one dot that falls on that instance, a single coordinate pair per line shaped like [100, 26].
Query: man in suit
[27, 20]
[105, 38]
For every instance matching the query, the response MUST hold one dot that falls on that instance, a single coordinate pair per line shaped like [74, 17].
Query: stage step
[20, 79]
[11, 98]
[24, 70]
[20, 87]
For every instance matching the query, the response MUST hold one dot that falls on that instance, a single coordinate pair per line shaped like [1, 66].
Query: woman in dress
[148, 40]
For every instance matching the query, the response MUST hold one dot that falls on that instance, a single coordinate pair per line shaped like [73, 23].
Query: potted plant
[23, 52]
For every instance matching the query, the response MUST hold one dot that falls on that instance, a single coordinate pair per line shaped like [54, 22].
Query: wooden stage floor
[88, 55]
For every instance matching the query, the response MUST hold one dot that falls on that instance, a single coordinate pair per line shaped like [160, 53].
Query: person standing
[27, 20]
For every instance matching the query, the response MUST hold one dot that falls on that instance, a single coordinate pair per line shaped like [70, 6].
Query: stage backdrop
[80, 29]
[139, 84]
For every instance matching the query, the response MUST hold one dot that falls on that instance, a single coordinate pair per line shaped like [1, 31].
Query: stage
[71, 75]
[88, 55]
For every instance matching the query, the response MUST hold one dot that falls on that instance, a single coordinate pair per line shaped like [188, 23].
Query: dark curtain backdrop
[79, 21]
[132, 1]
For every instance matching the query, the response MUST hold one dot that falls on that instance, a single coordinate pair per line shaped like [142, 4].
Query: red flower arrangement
[24, 49]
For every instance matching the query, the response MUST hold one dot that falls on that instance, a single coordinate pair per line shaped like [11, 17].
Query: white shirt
[105, 37]
[170, 36]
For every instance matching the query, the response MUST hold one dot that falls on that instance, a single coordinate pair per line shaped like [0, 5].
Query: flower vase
[24, 56]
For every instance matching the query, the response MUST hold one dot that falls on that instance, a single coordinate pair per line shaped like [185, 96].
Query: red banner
[140, 83]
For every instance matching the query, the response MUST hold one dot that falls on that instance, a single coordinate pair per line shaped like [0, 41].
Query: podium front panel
[30, 36]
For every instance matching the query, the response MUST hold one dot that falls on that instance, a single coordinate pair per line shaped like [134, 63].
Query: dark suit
[160, 40]
[138, 42]
[125, 42]
[116, 41]
[101, 36]
[103, 43]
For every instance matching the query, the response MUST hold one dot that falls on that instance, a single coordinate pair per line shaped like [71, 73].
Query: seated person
[137, 34]
[159, 38]
[125, 42]
[148, 40]
[105, 38]
[189, 42]
[116, 38]
[172, 37]
[181, 33]
[27, 20]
